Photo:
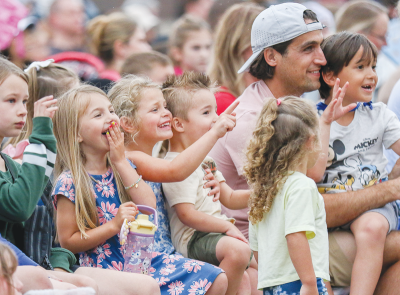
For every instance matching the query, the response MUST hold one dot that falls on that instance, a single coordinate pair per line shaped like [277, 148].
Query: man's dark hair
[339, 49]
[260, 68]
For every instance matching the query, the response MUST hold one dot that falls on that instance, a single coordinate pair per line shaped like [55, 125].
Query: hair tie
[39, 64]
[278, 102]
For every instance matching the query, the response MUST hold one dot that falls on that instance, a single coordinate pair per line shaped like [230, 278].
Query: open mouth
[367, 87]
[164, 125]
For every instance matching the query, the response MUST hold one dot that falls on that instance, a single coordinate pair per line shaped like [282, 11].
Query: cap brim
[248, 63]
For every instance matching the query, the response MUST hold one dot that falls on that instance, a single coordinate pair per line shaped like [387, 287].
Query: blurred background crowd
[96, 38]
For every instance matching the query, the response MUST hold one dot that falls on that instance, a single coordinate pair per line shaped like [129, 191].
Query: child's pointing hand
[226, 121]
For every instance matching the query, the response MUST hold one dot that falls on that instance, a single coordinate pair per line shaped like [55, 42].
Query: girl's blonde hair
[53, 79]
[358, 16]
[71, 107]
[104, 30]
[126, 95]
[8, 265]
[232, 38]
[181, 30]
[7, 68]
[276, 148]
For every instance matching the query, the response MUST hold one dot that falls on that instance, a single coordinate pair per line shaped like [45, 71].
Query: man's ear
[270, 56]
[329, 78]
[127, 125]
[178, 124]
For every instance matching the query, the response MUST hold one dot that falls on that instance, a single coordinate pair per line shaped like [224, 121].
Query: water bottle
[138, 238]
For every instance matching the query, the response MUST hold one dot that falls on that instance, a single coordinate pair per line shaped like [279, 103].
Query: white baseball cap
[275, 25]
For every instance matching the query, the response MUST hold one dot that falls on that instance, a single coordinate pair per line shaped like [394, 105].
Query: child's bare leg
[219, 286]
[234, 256]
[119, 282]
[33, 278]
[329, 288]
[74, 279]
[252, 271]
[370, 231]
[245, 286]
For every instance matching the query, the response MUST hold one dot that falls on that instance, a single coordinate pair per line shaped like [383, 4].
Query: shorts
[340, 267]
[390, 211]
[294, 288]
[203, 246]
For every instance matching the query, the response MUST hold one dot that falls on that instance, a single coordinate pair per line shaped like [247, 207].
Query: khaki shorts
[339, 266]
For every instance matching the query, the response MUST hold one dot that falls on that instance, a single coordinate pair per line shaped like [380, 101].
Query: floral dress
[175, 274]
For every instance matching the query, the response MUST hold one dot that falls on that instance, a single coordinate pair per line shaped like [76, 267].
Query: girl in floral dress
[145, 122]
[92, 163]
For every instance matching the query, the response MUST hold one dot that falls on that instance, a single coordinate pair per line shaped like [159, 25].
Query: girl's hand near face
[45, 107]
[116, 140]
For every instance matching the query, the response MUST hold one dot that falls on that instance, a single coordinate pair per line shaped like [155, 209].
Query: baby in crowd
[356, 159]
[199, 229]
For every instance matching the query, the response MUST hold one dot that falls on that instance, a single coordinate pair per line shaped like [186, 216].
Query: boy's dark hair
[339, 49]
[260, 68]
[178, 91]
[142, 63]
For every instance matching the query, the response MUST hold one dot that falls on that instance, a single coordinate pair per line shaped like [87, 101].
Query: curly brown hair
[276, 148]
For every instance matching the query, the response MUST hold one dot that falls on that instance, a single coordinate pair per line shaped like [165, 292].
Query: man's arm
[343, 207]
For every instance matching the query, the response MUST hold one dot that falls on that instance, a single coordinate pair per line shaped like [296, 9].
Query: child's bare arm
[200, 221]
[68, 232]
[334, 111]
[140, 192]
[158, 170]
[300, 254]
[234, 200]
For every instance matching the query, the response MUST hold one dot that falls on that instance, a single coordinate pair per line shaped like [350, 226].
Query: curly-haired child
[288, 231]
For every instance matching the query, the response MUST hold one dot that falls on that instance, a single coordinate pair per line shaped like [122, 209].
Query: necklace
[102, 183]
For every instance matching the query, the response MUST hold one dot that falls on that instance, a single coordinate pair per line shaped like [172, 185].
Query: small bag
[139, 238]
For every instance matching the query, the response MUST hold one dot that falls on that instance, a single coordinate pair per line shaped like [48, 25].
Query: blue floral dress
[175, 274]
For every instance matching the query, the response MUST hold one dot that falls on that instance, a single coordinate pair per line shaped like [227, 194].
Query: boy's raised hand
[226, 121]
[45, 107]
[335, 109]
[116, 140]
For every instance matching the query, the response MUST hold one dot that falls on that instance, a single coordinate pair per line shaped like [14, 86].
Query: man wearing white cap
[287, 57]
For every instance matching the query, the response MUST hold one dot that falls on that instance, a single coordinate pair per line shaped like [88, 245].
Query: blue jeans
[293, 288]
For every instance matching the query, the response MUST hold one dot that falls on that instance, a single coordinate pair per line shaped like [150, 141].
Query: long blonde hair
[53, 79]
[126, 95]
[276, 148]
[8, 265]
[104, 30]
[232, 38]
[71, 106]
[358, 16]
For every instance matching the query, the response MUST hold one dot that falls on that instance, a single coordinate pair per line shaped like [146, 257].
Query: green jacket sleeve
[18, 199]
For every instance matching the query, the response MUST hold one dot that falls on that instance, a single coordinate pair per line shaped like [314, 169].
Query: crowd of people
[265, 136]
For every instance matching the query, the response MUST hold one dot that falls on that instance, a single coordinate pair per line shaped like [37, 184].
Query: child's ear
[270, 56]
[127, 125]
[178, 124]
[329, 78]
[176, 53]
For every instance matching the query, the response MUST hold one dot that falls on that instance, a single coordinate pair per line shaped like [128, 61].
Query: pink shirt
[229, 151]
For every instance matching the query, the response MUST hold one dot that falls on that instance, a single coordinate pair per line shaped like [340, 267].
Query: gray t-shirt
[355, 158]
